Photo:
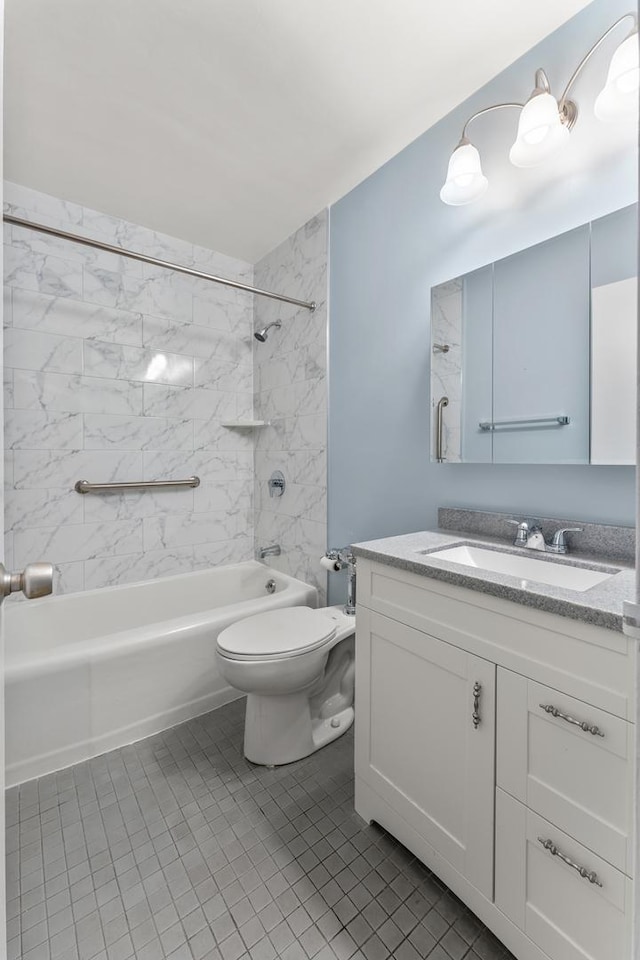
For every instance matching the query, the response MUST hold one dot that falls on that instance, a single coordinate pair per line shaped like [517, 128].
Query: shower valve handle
[36, 580]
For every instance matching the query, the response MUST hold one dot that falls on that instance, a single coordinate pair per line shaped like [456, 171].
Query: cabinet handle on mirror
[442, 402]
[475, 716]
[587, 727]
[589, 875]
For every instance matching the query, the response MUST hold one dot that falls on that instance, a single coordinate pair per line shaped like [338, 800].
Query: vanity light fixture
[545, 123]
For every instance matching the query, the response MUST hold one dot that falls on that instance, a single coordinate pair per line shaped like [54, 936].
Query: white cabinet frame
[421, 645]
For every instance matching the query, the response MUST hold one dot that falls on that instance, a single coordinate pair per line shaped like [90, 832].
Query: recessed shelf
[245, 424]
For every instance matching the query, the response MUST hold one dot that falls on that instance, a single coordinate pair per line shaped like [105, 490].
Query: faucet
[531, 537]
[345, 560]
[273, 551]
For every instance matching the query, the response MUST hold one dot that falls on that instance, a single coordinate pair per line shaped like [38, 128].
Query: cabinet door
[539, 886]
[477, 364]
[541, 350]
[425, 739]
[580, 780]
[614, 322]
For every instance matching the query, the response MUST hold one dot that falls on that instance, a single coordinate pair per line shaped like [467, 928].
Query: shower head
[262, 335]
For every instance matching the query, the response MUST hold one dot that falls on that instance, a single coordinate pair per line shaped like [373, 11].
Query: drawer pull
[589, 875]
[475, 716]
[587, 727]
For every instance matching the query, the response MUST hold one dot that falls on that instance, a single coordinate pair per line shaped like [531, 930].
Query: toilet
[297, 667]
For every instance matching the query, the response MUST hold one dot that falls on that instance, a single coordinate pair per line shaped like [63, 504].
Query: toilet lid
[276, 633]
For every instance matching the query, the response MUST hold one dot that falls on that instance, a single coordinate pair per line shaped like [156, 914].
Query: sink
[524, 568]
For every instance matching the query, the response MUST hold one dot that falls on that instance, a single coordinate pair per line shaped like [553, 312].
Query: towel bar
[85, 486]
[528, 421]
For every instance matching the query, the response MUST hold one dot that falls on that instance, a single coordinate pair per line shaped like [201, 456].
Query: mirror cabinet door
[541, 352]
[477, 364]
[614, 299]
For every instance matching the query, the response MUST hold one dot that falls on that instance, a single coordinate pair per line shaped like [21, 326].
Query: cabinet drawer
[564, 913]
[577, 779]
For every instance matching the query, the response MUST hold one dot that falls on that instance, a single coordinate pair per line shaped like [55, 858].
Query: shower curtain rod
[121, 252]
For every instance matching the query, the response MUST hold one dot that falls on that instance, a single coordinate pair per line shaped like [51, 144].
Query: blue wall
[391, 240]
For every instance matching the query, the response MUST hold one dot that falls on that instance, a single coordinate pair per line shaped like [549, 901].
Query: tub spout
[273, 551]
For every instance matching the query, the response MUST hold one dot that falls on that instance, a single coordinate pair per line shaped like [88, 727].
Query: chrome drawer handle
[475, 716]
[589, 875]
[587, 727]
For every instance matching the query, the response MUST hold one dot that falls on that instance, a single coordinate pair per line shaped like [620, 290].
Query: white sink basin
[524, 567]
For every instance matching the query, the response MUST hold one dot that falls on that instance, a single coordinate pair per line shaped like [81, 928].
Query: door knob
[36, 580]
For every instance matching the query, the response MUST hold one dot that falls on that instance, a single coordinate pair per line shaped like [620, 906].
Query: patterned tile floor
[176, 848]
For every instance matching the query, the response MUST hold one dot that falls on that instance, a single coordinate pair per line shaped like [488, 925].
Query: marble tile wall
[290, 372]
[115, 370]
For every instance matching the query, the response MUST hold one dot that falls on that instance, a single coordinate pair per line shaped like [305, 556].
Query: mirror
[534, 356]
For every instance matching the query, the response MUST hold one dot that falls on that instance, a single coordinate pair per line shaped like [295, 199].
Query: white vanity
[496, 740]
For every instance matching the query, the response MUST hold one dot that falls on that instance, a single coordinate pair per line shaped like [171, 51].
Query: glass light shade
[465, 181]
[619, 98]
[541, 133]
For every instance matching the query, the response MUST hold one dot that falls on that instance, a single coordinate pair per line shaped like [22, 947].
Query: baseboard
[24, 770]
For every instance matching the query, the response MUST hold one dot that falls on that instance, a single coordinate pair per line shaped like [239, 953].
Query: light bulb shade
[619, 98]
[541, 133]
[465, 181]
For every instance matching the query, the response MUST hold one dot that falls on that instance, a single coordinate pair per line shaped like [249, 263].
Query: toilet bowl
[297, 667]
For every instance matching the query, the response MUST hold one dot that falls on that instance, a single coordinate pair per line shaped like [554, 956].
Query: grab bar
[85, 486]
[442, 402]
[492, 424]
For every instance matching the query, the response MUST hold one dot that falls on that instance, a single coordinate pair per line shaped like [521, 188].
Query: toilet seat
[276, 634]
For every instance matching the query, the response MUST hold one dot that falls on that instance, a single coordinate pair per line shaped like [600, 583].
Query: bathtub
[92, 671]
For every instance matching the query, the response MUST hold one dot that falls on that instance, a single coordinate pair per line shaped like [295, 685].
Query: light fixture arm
[542, 81]
[479, 113]
[576, 73]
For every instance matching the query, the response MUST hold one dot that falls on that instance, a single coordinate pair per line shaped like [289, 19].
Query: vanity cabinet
[497, 743]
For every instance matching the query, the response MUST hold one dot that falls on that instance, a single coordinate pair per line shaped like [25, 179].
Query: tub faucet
[273, 551]
[345, 560]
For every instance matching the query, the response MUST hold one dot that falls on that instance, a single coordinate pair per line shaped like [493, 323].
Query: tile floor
[176, 848]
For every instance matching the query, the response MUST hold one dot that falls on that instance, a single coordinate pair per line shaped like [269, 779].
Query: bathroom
[320, 445]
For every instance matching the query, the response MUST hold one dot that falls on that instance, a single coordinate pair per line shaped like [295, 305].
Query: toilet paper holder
[343, 559]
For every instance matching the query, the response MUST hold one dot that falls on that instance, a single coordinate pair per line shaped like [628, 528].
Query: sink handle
[523, 532]
[559, 543]
[558, 536]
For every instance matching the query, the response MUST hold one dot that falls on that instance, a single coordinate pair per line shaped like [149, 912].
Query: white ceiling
[231, 122]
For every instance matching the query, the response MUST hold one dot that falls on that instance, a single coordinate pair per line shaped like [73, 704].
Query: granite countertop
[600, 605]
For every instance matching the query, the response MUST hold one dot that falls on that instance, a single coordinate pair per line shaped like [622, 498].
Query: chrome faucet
[273, 551]
[531, 537]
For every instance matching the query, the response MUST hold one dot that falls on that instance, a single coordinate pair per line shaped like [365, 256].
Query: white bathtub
[92, 671]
